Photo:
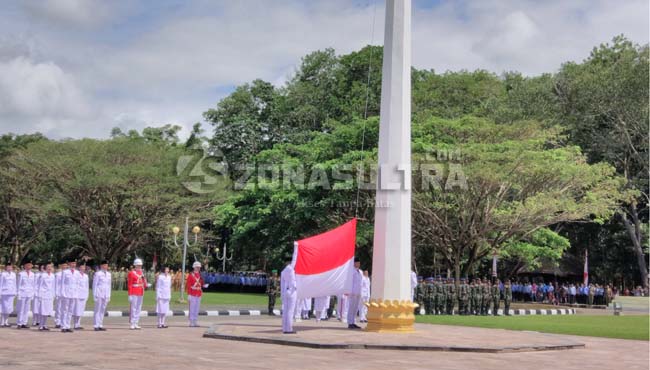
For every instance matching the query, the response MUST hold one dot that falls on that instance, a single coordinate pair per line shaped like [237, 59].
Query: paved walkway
[180, 347]
[335, 335]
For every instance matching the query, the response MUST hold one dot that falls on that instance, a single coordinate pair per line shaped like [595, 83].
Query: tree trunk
[634, 230]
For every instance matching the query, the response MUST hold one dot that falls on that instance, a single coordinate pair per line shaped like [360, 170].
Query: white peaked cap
[196, 264]
[137, 262]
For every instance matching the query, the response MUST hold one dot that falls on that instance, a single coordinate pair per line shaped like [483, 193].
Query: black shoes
[353, 326]
[66, 331]
[290, 332]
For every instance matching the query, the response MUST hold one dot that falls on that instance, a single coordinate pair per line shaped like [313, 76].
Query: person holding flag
[288, 293]
[194, 286]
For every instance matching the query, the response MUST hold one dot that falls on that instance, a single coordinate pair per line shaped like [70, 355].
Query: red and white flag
[494, 263]
[324, 263]
[585, 273]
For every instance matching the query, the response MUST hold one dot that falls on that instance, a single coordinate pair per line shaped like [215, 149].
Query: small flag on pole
[494, 264]
[585, 274]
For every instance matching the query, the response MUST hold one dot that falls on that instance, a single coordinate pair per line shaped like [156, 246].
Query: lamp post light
[186, 243]
[224, 257]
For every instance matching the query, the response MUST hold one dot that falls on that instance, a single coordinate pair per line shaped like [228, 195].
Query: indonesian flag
[585, 273]
[494, 264]
[324, 263]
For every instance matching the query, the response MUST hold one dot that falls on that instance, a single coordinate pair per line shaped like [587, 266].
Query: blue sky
[77, 68]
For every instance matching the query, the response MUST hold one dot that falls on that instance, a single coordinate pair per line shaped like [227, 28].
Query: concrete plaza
[181, 347]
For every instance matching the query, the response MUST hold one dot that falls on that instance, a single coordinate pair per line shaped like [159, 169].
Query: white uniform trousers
[79, 308]
[288, 307]
[45, 307]
[162, 307]
[344, 303]
[67, 309]
[195, 304]
[135, 301]
[6, 307]
[58, 310]
[22, 310]
[353, 302]
[363, 309]
[36, 311]
[99, 311]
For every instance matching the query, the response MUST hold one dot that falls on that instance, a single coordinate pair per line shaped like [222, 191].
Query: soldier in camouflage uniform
[429, 291]
[496, 297]
[272, 290]
[486, 299]
[479, 297]
[121, 279]
[419, 296]
[507, 297]
[471, 304]
[442, 297]
[114, 280]
[476, 297]
[451, 296]
[463, 297]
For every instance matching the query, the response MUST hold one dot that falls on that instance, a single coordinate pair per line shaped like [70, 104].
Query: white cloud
[93, 64]
[39, 90]
[70, 12]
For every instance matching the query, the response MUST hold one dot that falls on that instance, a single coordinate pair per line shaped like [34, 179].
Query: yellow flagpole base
[386, 316]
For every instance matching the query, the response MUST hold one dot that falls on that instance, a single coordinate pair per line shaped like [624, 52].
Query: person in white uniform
[36, 310]
[163, 296]
[101, 295]
[321, 304]
[58, 299]
[288, 288]
[305, 309]
[355, 295]
[26, 287]
[44, 304]
[7, 294]
[414, 284]
[81, 297]
[365, 297]
[68, 295]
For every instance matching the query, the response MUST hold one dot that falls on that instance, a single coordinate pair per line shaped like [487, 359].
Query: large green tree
[120, 195]
[604, 104]
[519, 179]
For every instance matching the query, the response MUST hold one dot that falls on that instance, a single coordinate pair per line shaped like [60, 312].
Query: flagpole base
[386, 316]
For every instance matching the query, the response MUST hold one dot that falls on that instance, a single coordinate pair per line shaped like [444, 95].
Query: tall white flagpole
[391, 308]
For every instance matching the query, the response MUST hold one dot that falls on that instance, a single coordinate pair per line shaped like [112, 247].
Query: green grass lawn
[624, 327]
[119, 300]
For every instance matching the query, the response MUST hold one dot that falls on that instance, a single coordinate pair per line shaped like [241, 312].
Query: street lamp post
[224, 257]
[186, 243]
